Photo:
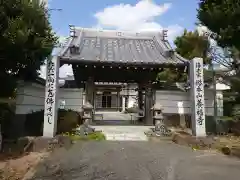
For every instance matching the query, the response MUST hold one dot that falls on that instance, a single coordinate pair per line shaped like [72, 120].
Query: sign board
[62, 104]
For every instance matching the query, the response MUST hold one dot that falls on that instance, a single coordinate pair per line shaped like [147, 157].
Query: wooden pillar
[127, 97]
[148, 104]
[118, 101]
[51, 97]
[140, 97]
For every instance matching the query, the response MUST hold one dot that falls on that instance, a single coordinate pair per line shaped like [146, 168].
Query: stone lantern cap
[87, 106]
[157, 107]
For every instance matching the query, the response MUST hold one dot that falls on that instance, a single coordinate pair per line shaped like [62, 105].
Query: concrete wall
[30, 98]
[178, 102]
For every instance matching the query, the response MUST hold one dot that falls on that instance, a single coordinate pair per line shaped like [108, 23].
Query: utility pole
[54, 9]
[214, 81]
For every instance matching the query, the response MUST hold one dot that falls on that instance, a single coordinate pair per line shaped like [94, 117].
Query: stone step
[125, 137]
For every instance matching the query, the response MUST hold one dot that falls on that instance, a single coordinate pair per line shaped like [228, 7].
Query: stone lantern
[85, 129]
[157, 111]
[160, 128]
[87, 113]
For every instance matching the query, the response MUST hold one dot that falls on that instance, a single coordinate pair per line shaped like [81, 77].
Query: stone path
[124, 133]
[115, 160]
[114, 116]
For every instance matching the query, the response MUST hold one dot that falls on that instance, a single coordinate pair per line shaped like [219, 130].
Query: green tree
[222, 18]
[189, 45]
[26, 40]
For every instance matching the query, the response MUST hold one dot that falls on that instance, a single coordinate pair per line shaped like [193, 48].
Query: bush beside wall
[224, 126]
[67, 120]
[6, 117]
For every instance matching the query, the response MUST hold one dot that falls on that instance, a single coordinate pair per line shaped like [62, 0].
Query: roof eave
[70, 60]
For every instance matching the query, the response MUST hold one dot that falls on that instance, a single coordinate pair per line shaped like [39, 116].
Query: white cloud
[174, 31]
[64, 71]
[138, 17]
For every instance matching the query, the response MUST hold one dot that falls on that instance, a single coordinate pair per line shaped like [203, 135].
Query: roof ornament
[119, 33]
[72, 30]
[164, 32]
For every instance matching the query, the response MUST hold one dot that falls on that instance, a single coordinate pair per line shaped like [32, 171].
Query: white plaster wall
[73, 98]
[132, 101]
[132, 95]
[178, 102]
[30, 98]
[174, 102]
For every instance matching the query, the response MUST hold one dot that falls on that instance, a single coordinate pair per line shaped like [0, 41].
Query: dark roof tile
[120, 47]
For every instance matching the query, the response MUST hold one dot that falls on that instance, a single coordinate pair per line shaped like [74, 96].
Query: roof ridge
[121, 33]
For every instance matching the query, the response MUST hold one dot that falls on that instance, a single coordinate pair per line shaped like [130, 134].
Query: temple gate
[122, 57]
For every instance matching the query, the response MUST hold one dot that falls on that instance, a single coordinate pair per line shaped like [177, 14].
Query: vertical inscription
[50, 92]
[199, 94]
[51, 97]
[197, 97]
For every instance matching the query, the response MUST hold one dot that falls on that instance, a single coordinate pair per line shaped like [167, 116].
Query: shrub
[67, 120]
[98, 136]
[34, 123]
[6, 117]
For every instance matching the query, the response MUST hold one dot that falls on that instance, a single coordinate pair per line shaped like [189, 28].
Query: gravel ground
[136, 161]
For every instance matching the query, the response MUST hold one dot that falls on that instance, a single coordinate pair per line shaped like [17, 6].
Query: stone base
[41, 143]
[153, 133]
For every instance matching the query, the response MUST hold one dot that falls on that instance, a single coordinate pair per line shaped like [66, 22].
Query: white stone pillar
[197, 97]
[181, 114]
[123, 103]
[51, 97]
[219, 95]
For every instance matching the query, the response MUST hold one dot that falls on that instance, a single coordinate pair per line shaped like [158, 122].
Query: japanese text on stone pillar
[199, 94]
[50, 90]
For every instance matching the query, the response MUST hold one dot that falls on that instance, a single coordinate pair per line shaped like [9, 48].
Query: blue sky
[179, 14]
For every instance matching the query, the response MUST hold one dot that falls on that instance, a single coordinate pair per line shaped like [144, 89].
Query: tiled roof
[111, 46]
